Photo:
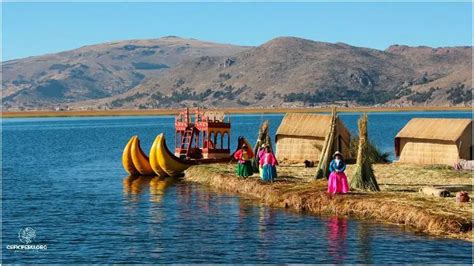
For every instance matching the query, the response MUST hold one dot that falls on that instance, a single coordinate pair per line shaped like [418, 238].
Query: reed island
[313, 164]
[399, 200]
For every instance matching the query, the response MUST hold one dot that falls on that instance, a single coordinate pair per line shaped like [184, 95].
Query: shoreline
[174, 111]
[429, 215]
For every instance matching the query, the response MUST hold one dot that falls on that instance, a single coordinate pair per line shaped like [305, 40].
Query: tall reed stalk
[262, 139]
[363, 177]
[328, 149]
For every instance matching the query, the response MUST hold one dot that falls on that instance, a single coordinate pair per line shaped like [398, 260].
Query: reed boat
[165, 161]
[162, 162]
[127, 158]
[202, 140]
[134, 160]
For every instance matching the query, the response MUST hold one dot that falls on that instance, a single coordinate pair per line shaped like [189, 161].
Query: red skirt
[338, 183]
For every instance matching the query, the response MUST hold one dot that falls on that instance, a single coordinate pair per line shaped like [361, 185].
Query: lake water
[64, 178]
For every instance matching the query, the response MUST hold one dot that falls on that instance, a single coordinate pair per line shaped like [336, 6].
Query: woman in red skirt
[337, 179]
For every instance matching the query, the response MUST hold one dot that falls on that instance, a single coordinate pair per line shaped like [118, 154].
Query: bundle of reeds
[262, 139]
[328, 149]
[363, 177]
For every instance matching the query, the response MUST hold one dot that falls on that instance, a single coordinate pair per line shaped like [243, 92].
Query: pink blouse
[268, 158]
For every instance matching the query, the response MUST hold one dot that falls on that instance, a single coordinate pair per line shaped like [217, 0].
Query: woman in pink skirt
[337, 179]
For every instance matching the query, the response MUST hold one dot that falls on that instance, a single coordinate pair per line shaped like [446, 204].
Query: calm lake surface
[64, 178]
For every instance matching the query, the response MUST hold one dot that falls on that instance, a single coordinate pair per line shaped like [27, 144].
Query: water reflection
[203, 201]
[135, 185]
[158, 187]
[336, 236]
[184, 193]
[127, 184]
[266, 233]
[365, 240]
[266, 219]
[244, 211]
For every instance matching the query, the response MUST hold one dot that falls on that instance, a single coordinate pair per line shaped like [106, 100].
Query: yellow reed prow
[168, 162]
[127, 158]
[161, 162]
[154, 159]
[139, 159]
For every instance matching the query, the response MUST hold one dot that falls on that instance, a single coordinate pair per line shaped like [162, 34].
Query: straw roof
[306, 125]
[434, 129]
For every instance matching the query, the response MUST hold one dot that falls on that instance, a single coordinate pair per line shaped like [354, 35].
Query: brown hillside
[284, 72]
[291, 71]
[97, 71]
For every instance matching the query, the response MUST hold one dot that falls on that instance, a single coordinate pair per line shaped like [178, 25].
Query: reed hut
[434, 141]
[301, 137]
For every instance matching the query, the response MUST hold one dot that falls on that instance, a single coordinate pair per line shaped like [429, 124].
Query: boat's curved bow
[134, 160]
[154, 159]
[139, 159]
[165, 160]
[127, 158]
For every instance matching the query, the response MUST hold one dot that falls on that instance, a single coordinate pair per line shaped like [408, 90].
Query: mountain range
[283, 72]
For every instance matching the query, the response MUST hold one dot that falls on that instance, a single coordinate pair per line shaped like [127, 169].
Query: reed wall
[428, 152]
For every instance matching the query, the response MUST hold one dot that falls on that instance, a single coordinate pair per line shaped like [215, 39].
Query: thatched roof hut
[301, 137]
[434, 141]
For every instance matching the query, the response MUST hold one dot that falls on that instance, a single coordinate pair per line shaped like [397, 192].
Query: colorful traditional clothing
[337, 182]
[268, 164]
[260, 154]
[244, 166]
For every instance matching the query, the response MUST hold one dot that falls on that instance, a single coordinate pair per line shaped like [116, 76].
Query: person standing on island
[261, 152]
[244, 166]
[337, 182]
[268, 163]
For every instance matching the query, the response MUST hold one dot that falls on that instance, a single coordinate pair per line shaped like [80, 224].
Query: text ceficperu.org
[27, 247]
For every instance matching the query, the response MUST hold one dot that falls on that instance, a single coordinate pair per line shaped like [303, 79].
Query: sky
[30, 29]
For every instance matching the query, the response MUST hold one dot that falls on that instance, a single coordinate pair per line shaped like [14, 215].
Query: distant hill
[286, 71]
[97, 71]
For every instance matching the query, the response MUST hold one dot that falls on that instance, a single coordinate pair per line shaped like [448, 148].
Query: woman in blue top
[337, 182]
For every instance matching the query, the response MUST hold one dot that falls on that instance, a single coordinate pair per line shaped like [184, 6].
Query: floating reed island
[406, 193]
[399, 201]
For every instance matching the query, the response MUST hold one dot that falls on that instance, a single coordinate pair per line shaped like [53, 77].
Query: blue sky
[38, 28]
